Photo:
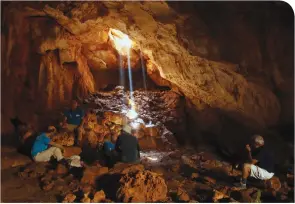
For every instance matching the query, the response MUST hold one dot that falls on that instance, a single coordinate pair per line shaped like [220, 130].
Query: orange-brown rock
[69, 198]
[114, 118]
[273, 183]
[142, 186]
[64, 138]
[90, 174]
[60, 52]
[152, 131]
[124, 168]
[98, 197]
[182, 195]
[70, 151]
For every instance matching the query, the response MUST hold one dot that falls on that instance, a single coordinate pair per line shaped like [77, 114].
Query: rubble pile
[160, 115]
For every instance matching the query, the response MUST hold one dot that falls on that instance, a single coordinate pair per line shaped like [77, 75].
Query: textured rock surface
[71, 51]
[90, 174]
[98, 197]
[142, 186]
[69, 198]
[64, 138]
[71, 151]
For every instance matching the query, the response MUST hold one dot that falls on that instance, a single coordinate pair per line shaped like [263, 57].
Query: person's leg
[43, 156]
[71, 127]
[80, 132]
[246, 172]
[56, 153]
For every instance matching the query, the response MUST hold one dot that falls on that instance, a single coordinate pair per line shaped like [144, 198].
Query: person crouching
[43, 148]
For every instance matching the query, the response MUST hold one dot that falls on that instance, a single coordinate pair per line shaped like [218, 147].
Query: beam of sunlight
[143, 71]
[122, 75]
[130, 75]
[122, 42]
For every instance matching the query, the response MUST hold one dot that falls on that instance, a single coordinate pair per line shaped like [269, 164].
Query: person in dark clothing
[260, 162]
[127, 146]
[73, 117]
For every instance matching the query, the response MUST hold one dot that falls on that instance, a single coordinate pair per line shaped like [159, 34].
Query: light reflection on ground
[156, 157]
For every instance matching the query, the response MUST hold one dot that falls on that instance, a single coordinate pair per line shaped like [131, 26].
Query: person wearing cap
[43, 148]
[260, 164]
[127, 146]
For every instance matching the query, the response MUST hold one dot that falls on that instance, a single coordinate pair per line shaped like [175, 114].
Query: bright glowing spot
[149, 124]
[135, 125]
[152, 158]
[121, 41]
[131, 103]
[131, 114]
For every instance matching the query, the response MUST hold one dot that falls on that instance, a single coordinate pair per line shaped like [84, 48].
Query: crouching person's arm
[251, 160]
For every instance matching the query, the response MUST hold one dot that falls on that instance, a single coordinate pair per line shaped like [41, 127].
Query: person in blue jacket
[73, 116]
[43, 148]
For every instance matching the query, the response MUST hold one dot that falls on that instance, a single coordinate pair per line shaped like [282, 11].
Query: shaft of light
[122, 75]
[130, 75]
[143, 71]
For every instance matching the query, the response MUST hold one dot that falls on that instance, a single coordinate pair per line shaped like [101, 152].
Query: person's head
[51, 131]
[257, 141]
[127, 128]
[74, 104]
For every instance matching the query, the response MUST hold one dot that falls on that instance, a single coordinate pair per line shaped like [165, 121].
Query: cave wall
[226, 65]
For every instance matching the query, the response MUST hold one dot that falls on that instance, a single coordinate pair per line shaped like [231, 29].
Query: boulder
[273, 183]
[141, 186]
[99, 196]
[85, 199]
[69, 198]
[182, 195]
[90, 174]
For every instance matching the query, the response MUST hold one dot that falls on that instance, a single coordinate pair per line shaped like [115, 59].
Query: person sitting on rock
[260, 163]
[127, 146]
[73, 116]
[40, 151]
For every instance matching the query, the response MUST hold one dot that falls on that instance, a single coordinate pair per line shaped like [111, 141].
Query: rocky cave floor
[167, 172]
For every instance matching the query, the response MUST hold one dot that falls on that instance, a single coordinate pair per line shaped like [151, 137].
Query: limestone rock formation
[142, 186]
[70, 50]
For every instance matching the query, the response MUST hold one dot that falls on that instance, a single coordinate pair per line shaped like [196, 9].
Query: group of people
[125, 147]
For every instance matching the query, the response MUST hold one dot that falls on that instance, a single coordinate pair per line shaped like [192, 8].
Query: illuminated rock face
[52, 53]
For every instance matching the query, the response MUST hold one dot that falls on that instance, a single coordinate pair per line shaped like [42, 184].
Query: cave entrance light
[123, 44]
